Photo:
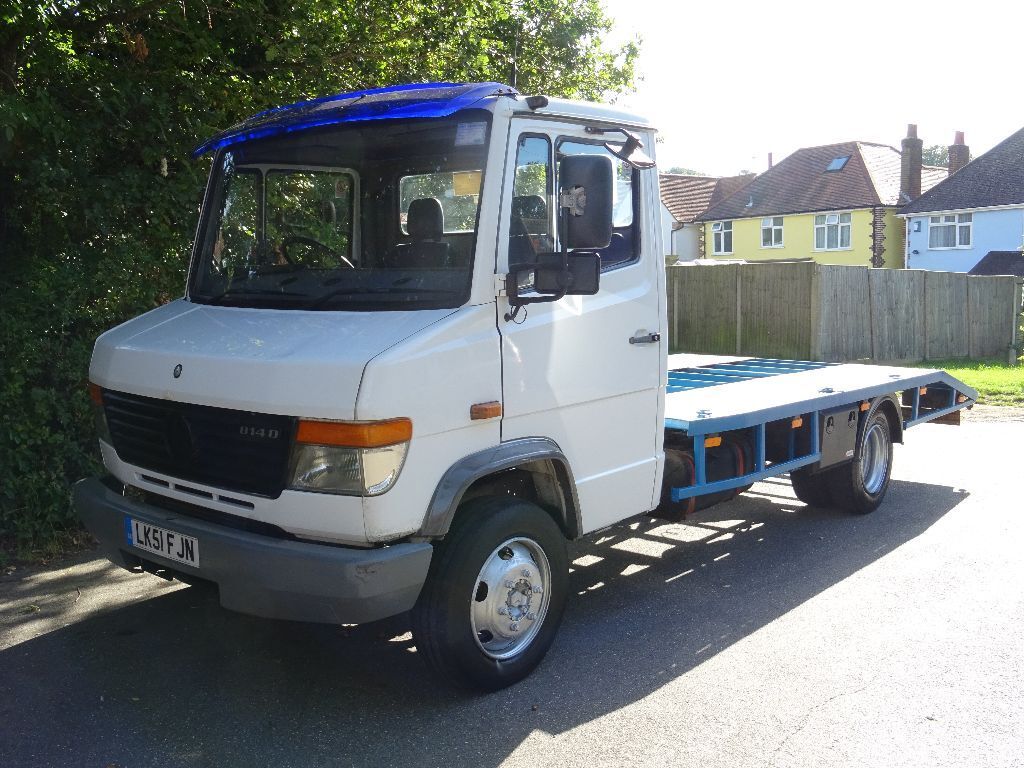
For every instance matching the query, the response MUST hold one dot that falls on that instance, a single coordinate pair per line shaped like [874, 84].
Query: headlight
[354, 458]
[99, 415]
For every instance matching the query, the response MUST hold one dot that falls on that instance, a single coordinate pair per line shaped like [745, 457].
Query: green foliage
[935, 155]
[100, 105]
[997, 382]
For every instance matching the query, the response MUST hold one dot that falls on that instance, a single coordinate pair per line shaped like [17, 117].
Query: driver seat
[426, 250]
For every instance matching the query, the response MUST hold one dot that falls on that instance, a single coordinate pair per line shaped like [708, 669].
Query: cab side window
[530, 228]
[624, 247]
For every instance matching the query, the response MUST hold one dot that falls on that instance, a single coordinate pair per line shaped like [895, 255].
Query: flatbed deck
[709, 394]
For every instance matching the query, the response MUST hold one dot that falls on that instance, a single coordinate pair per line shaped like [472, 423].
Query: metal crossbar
[741, 370]
[761, 469]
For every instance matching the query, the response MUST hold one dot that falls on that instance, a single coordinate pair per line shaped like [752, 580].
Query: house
[978, 210]
[836, 204]
[685, 197]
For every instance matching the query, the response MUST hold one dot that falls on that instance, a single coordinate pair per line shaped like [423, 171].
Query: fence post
[924, 318]
[969, 324]
[739, 310]
[814, 343]
[1016, 317]
[871, 316]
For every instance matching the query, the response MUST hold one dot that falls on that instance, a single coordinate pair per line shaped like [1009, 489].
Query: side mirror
[567, 274]
[585, 200]
[555, 275]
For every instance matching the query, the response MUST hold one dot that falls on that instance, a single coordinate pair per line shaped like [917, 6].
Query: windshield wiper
[219, 298]
[375, 292]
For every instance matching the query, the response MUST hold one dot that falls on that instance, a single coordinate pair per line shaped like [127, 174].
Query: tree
[936, 154]
[101, 102]
[678, 169]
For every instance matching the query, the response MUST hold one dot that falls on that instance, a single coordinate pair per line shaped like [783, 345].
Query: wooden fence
[814, 311]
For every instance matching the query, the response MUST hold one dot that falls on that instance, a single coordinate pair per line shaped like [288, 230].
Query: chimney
[959, 153]
[770, 156]
[910, 165]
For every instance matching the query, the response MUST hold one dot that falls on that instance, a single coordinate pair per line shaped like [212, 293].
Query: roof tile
[1000, 263]
[800, 183]
[993, 179]
[686, 197]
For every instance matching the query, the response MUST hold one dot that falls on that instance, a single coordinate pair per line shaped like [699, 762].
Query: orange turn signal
[865, 405]
[924, 390]
[961, 398]
[355, 434]
[797, 422]
[488, 410]
[712, 442]
[95, 394]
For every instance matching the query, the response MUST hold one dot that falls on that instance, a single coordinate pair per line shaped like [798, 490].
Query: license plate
[170, 544]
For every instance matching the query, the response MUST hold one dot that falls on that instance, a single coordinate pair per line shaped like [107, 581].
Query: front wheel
[495, 594]
[860, 486]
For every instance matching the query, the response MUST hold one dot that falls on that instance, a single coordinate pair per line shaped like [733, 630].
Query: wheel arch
[890, 406]
[541, 457]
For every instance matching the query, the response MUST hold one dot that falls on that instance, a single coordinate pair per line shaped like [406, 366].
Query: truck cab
[347, 370]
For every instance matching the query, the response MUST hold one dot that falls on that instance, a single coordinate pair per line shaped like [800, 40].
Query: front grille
[237, 450]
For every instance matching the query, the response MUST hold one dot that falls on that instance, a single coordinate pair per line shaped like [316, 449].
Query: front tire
[494, 595]
[860, 486]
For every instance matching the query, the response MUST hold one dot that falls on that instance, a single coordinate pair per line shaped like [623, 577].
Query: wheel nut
[509, 585]
[538, 589]
[502, 610]
[514, 626]
[531, 616]
[526, 573]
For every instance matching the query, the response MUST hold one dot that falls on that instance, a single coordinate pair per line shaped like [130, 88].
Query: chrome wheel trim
[510, 598]
[874, 463]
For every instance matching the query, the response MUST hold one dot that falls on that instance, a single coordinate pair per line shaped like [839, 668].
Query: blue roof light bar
[391, 103]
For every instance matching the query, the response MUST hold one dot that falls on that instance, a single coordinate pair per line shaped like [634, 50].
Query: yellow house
[835, 204]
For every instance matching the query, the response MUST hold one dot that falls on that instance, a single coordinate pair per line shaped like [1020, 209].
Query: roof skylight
[838, 163]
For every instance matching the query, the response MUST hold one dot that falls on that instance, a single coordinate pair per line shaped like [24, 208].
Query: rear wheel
[495, 594]
[812, 489]
[860, 486]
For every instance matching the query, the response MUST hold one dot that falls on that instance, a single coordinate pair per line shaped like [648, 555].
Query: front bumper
[265, 576]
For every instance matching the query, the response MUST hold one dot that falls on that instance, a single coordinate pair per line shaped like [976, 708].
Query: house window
[832, 231]
[951, 230]
[722, 237]
[771, 232]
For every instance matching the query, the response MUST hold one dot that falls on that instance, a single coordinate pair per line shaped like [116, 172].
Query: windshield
[378, 216]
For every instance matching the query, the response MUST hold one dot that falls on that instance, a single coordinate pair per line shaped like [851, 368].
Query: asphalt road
[759, 633]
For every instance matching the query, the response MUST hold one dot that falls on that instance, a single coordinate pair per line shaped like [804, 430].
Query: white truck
[423, 345]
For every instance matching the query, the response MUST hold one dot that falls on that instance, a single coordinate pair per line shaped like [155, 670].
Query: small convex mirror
[569, 274]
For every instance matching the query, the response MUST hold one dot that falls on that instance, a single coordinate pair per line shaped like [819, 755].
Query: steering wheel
[293, 239]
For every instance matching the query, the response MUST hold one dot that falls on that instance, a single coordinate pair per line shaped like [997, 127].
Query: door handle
[649, 338]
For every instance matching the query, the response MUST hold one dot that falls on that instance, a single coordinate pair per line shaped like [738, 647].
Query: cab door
[585, 371]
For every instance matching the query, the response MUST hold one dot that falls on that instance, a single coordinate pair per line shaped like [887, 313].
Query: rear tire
[812, 489]
[860, 486]
[494, 595]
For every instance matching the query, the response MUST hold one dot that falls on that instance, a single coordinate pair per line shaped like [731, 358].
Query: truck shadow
[178, 681]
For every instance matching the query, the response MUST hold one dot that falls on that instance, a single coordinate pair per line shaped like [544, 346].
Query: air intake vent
[236, 450]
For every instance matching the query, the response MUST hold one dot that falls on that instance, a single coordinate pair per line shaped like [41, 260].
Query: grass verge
[997, 383]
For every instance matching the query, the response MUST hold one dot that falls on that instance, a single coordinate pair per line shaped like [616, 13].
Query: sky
[728, 82]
